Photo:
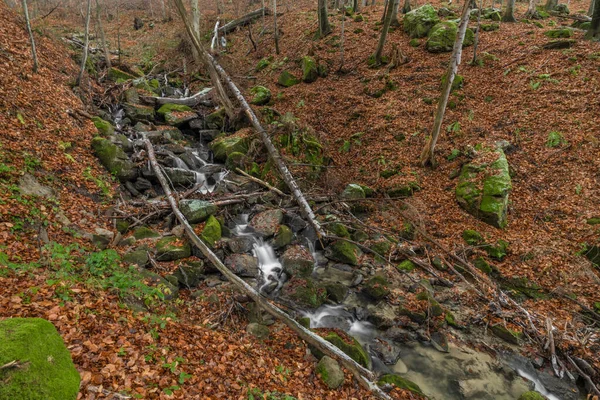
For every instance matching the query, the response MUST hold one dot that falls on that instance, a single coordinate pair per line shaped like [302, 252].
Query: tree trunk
[119, 31]
[163, 9]
[591, 9]
[275, 28]
[509, 15]
[551, 5]
[395, 21]
[476, 42]
[31, 39]
[531, 10]
[427, 155]
[389, 11]
[406, 8]
[355, 6]
[102, 36]
[86, 45]
[594, 31]
[324, 27]
[342, 37]
[195, 25]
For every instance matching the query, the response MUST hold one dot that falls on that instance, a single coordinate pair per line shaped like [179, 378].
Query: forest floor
[520, 94]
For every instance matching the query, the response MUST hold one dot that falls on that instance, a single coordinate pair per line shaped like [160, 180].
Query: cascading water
[117, 114]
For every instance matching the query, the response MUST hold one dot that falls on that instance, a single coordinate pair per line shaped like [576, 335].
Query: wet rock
[257, 330]
[29, 185]
[440, 342]
[143, 232]
[208, 134]
[343, 252]
[223, 146]
[418, 22]
[297, 261]
[304, 292]
[381, 315]
[215, 120]
[114, 159]
[531, 395]
[179, 176]
[138, 112]
[337, 273]
[484, 186]
[400, 382]
[172, 248]
[336, 292]
[376, 288]
[386, 350]
[242, 265]
[164, 136]
[196, 211]
[330, 372]
[400, 335]
[267, 222]
[283, 237]
[190, 274]
[240, 244]
[137, 257]
[211, 233]
[294, 221]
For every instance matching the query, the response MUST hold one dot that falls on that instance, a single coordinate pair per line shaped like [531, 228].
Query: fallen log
[363, 375]
[245, 20]
[202, 97]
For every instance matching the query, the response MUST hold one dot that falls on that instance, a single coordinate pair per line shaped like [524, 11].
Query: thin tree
[591, 9]
[86, 43]
[324, 27]
[195, 25]
[594, 31]
[102, 36]
[509, 13]
[550, 5]
[275, 28]
[355, 6]
[31, 39]
[163, 9]
[395, 21]
[341, 68]
[389, 11]
[531, 10]
[476, 42]
[406, 7]
[427, 155]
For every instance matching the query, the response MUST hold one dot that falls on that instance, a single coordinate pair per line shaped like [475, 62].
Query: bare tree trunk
[427, 155]
[263, 16]
[86, 45]
[342, 37]
[31, 39]
[389, 11]
[531, 10]
[355, 6]
[550, 5]
[476, 42]
[395, 21]
[119, 31]
[275, 28]
[594, 31]
[591, 9]
[102, 36]
[195, 25]
[163, 10]
[509, 13]
[406, 8]
[324, 27]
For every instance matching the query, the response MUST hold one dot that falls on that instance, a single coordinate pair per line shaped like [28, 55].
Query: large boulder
[261, 95]
[46, 371]
[172, 248]
[353, 192]
[242, 265]
[344, 252]
[484, 186]
[297, 261]
[177, 114]
[211, 232]
[443, 35]
[419, 21]
[138, 112]
[330, 372]
[286, 79]
[267, 222]
[196, 210]
[304, 292]
[190, 274]
[310, 70]
[165, 136]
[114, 159]
[223, 146]
[400, 382]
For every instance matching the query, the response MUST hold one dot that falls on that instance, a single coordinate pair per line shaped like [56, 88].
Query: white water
[117, 115]
[180, 164]
[539, 387]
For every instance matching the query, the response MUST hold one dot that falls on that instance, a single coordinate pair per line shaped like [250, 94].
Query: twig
[550, 344]
[585, 376]
[261, 182]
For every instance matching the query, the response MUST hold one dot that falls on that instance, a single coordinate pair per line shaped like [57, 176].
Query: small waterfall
[117, 114]
[539, 387]
[180, 164]
[269, 265]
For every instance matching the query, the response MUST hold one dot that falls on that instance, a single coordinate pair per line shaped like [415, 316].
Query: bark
[427, 155]
[509, 13]
[364, 376]
[206, 59]
[594, 31]
[31, 39]
[550, 5]
[406, 8]
[102, 36]
[275, 28]
[342, 38]
[476, 42]
[389, 11]
[245, 20]
[87, 43]
[202, 97]
[355, 6]
[531, 11]
[591, 9]
[163, 10]
[324, 27]
[195, 25]
[395, 21]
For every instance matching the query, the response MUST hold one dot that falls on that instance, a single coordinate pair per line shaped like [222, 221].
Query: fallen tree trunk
[242, 21]
[364, 376]
[202, 97]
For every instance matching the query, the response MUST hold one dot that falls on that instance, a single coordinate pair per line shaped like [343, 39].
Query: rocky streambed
[343, 288]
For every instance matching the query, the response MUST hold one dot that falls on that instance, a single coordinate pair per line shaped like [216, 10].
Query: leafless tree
[86, 43]
[102, 36]
[275, 28]
[509, 13]
[28, 22]
[594, 31]
[389, 11]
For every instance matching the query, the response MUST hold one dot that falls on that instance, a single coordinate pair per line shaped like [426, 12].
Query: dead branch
[202, 97]
[113, 395]
[591, 384]
[245, 20]
[260, 182]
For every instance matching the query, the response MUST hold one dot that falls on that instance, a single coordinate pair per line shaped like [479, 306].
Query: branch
[202, 97]
[260, 182]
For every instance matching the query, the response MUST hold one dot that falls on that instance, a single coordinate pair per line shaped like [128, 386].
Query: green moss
[143, 232]
[122, 225]
[169, 107]
[114, 159]
[419, 21]
[307, 293]
[310, 71]
[338, 229]
[489, 27]
[263, 63]
[559, 33]
[172, 248]
[522, 288]
[400, 383]
[406, 266]
[283, 237]
[472, 237]
[443, 35]
[414, 42]
[457, 83]
[336, 291]
[104, 127]
[498, 251]
[405, 190]
[286, 79]
[211, 232]
[593, 221]
[381, 246]
[354, 349]
[531, 395]
[376, 287]
[506, 334]
[216, 120]
[344, 252]
[225, 145]
[451, 320]
[235, 160]
[261, 95]
[305, 322]
[482, 265]
[47, 373]
[115, 74]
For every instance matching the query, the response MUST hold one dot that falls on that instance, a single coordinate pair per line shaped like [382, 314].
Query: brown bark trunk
[324, 27]
[386, 26]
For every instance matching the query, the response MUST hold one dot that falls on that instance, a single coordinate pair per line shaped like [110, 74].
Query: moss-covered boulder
[170, 107]
[330, 372]
[104, 127]
[304, 292]
[403, 190]
[46, 370]
[592, 253]
[172, 248]
[137, 257]
[286, 79]
[242, 265]
[559, 33]
[344, 252]
[260, 95]
[443, 35]
[143, 232]
[484, 186]
[211, 233]
[482, 265]
[310, 69]
[263, 63]
[339, 229]
[114, 159]
[497, 251]
[336, 292]
[506, 334]
[189, 274]
[216, 120]
[297, 261]
[176, 114]
[473, 237]
[168, 289]
[353, 192]
[419, 21]
[352, 348]
[400, 382]
[531, 395]
[283, 237]
[406, 266]
[376, 288]
[196, 211]
[138, 112]
[115, 74]
[266, 223]
[225, 145]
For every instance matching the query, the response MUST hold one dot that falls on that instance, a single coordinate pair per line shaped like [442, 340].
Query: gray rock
[400, 335]
[267, 222]
[169, 290]
[114, 159]
[242, 265]
[241, 244]
[190, 274]
[137, 257]
[297, 261]
[257, 330]
[171, 248]
[382, 315]
[353, 192]
[330, 372]
[179, 176]
[386, 350]
[197, 210]
[165, 136]
[142, 184]
[29, 185]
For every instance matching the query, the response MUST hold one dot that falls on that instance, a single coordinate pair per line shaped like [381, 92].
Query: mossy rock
[482, 265]
[414, 42]
[216, 120]
[354, 349]
[443, 35]
[405, 190]
[338, 229]
[344, 252]
[286, 79]
[305, 322]
[406, 266]
[305, 292]
[211, 233]
[143, 232]
[376, 288]
[418, 22]
[522, 288]
[451, 320]
[263, 63]
[283, 237]
[330, 372]
[336, 292]
[473, 237]
[260, 95]
[235, 160]
[382, 246]
[484, 187]
[489, 27]
[122, 225]
[225, 145]
[104, 127]
[400, 382]
[115, 74]
[531, 395]
[506, 334]
[457, 83]
[297, 261]
[172, 248]
[139, 113]
[47, 371]
[196, 211]
[114, 159]
[353, 192]
[359, 18]
[498, 251]
[310, 70]
[593, 221]
[137, 257]
[170, 107]
[559, 33]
